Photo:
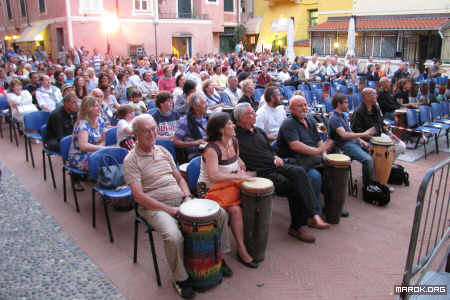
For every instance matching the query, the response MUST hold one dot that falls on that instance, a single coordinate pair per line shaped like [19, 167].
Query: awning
[31, 33]
[253, 25]
[383, 24]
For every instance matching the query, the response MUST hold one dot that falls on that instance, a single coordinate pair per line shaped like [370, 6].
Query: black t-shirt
[250, 100]
[402, 95]
[292, 130]
[255, 149]
[387, 102]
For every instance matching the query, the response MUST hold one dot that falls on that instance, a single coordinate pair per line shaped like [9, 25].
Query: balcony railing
[173, 15]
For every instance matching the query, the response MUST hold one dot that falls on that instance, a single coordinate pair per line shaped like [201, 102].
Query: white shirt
[312, 67]
[234, 96]
[269, 119]
[332, 70]
[195, 77]
[284, 76]
[21, 105]
[121, 134]
[48, 97]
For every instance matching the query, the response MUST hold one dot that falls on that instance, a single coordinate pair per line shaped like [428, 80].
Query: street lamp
[110, 23]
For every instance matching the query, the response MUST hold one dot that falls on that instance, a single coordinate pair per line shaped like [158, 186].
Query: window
[228, 5]
[42, 6]
[212, 2]
[313, 16]
[8, 9]
[142, 6]
[23, 9]
[91, 6]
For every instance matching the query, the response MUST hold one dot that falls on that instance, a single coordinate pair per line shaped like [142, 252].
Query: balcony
[184, 15]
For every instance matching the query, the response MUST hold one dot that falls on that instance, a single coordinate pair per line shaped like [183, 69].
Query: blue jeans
[315, 178]
[354, 150]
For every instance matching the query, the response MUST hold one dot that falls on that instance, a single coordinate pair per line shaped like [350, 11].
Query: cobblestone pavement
[38, 259]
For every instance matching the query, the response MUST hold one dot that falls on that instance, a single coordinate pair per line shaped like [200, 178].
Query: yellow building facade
[306, 13]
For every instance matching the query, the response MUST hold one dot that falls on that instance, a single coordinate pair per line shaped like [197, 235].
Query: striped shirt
[154, 171]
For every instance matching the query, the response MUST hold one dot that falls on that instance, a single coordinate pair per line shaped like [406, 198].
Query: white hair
[139, 119]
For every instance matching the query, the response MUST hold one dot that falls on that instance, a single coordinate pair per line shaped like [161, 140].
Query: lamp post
[110, 22]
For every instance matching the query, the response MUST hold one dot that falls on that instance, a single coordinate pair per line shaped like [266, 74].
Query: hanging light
[336, 45]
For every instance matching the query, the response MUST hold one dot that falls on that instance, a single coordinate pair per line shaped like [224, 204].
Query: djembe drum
[337, 170]
[400, 121]
[202, 240]
[256, 198]
[382, 151]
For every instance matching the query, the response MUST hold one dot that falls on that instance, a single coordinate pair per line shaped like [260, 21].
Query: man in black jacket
[289, 180]
[60, 122]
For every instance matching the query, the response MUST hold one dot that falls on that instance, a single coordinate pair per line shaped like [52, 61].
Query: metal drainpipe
[155, 27]
[69, 24]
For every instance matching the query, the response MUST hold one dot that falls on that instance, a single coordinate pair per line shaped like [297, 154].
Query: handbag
[110, 176]
[398, 175]
[376, 193]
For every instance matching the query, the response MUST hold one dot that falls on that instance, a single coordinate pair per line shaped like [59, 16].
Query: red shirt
[264, 79]
[166, 84]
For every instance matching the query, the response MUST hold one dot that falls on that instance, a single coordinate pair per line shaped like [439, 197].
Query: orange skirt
[227, 193]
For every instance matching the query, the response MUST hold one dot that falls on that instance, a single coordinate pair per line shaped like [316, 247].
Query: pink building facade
[155, 26]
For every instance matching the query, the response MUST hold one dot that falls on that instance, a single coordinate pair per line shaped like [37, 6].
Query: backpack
[398, 175]
[376, 193]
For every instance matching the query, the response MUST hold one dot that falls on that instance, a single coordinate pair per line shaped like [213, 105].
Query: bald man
[299, 141]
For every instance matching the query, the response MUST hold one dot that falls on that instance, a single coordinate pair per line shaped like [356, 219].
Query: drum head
[381, 140]
[199, 208]
[400, 111]
[258, 185]
[338, 159]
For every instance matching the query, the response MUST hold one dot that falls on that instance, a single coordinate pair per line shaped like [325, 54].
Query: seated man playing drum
[289, 180]
[368, 115]
[299, 141]
[349, 142]
[159, 189]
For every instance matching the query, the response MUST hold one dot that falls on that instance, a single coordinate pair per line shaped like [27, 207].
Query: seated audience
[271, 115]
[20, 101]
[182, 101]
[48, 96]
[125, 137]
[166, 82]
[385, 99]
[248, 88]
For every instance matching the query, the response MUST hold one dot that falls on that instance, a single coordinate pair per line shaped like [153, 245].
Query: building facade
[274, 15]
[181, 27]
[408, 30]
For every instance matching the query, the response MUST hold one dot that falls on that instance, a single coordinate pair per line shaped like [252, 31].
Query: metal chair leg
[93, 208]
[44, 170]
[74, 193]
[64, 183]
[15, 134]
[31, 153]
[26, 148]
[108, 222]
[51, 170]
[136, 233]
[155, 261]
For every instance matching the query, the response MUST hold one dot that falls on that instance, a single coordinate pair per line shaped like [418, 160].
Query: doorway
[59, 38]
[182, 46]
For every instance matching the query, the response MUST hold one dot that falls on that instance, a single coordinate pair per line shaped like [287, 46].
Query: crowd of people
[187, 101]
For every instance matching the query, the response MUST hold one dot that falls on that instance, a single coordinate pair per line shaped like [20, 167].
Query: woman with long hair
[88, 134]
[221, 163]
[81, 88]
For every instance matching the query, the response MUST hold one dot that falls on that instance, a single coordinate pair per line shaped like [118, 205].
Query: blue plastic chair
[111, 136]
[289, 91]
[357, 100]
[224, 98]
[168, 144]
[49, 153]
[342, 89]
[258, 93]
[329, 107]
[436, 118]
[33, 121]
[317, 94]
[315, 85]
[4, 105]
[303, 87]
[193, 172]
[152, 110]
[65, 147]
[427, 128]
[97, 160]
[309, 96]
[372, 84]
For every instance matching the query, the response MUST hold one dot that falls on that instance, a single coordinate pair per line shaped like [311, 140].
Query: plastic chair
[435, 116]
[96, 161]
[193, 172]
[315, 85]
[138, 219]
[49, 153]
[152, 110]
[303, 87]
[65, 147]
[33, 121]
[4, 105]
[258, 93]
[289, 89]
[372, 84]
[317, 94]
[342, 89]
[357, 100]
[168, 144]
[111, 136]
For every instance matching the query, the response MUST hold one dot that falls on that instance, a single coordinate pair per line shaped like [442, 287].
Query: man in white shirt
[48, 96]
[313, 67]
[332, 70]
[194, 75]
[270, 116]
[284, 75]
